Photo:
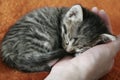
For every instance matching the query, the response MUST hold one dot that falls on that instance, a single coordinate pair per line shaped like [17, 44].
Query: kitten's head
[82, 29]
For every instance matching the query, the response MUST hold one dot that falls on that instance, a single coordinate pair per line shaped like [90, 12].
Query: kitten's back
[34, 41]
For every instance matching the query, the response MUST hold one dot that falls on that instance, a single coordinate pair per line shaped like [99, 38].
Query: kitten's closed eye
[67, 43]
[75, 38]
[75, 41]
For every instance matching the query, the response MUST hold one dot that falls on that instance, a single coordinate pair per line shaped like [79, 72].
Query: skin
[92, 64]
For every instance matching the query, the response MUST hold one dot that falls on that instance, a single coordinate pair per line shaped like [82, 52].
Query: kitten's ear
[75, 14]
[107, 38]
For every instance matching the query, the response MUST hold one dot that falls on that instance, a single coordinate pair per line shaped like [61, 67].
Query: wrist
[69, 73]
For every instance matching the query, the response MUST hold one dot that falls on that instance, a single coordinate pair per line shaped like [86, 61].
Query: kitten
[47, 34]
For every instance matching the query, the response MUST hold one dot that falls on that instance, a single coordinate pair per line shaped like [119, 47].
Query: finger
[95, 10]
[109, 49]
[114, 46]
[105, 18]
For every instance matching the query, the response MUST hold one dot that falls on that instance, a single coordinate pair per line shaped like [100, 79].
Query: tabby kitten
[47, 34]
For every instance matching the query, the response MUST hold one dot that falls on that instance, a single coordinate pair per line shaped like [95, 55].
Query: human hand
[92, 64]
[104, 16]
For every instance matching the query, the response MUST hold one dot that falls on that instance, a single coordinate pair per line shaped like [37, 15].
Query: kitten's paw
[107, 38]
[80, 51]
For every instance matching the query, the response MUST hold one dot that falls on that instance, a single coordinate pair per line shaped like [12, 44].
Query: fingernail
[95, 9]
[102, 11]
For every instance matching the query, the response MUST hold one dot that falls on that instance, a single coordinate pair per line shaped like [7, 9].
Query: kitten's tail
[60, 53]
[34, 63]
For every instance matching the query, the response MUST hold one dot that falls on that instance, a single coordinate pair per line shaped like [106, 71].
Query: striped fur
[36, 38]
[82, 29]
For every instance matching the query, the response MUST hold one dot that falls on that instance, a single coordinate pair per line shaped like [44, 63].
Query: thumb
[114, 46]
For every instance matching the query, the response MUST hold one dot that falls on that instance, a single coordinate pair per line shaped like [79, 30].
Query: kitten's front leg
[80, 51]
[104, 38]
[107, 37]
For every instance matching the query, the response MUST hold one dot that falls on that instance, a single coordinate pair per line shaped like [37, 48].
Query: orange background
[12, 10]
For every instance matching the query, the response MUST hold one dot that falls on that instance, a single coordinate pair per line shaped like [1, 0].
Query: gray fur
[36, 38]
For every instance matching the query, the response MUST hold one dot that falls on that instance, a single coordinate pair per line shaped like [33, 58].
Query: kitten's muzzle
[70, 50]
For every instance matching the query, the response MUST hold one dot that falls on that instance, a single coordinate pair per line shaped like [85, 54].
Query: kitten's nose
[70, 50]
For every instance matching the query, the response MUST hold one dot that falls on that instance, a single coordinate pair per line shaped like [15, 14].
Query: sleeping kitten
[47, 34]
